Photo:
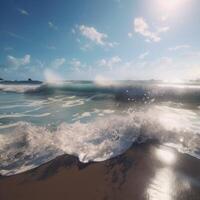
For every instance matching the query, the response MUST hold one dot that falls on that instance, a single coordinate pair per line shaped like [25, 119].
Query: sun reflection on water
[167, 184]
[161, 186]
[165, 155]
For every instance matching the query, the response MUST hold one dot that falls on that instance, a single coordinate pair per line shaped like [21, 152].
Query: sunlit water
[94, 122]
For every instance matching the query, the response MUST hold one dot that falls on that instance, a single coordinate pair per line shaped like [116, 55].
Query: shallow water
[93, 121]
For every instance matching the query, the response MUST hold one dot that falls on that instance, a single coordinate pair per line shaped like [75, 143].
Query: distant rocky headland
[29, 81]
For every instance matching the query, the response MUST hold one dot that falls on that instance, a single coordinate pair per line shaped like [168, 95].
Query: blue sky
[104, 39]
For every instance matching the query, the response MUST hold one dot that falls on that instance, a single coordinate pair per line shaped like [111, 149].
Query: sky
[100, 39]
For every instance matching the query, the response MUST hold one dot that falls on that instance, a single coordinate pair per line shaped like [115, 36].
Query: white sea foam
[73, 103]
[18, 115]
[95, 141]
[27, 146]
[8, 125]
[25, 104]
[78, 116]
[98, 112]
[18, 88]
[180, 86]
[108, 111]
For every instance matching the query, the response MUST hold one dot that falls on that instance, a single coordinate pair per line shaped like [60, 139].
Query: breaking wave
[27, 146]
[19, 88]
[126, 92]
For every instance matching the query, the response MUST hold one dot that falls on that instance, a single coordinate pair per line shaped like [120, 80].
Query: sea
[93, 120]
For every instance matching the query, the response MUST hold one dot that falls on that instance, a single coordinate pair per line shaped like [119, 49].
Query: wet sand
[146, 171]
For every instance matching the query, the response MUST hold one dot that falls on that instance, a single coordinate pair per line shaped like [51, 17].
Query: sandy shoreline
[137, 174]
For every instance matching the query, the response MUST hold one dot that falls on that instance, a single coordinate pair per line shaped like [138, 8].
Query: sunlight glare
[51, 77]
[170, 8]
[171, 5]
[165, 155]
[161, 185]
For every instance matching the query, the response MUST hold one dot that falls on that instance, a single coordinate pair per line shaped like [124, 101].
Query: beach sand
[145, 171]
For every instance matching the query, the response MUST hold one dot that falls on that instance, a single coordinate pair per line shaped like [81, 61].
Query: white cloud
[111, 62]
[86, 46]
[17, 62]
[75, 63]
[164, 61]
[112, 44]
[94, 36]
[193, 54]
[52, 26]
[23, 12]
[163, 68]
[163, 29]
[164, 18]
[130, 35]
[141, 27]
[142, 56]
[58, 62]
[176, 48]
[160, 68]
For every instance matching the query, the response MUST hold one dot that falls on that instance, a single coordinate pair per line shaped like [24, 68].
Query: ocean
[94, 121]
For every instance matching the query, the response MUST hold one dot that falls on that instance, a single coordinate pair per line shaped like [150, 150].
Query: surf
[127, 91]
[27, 145]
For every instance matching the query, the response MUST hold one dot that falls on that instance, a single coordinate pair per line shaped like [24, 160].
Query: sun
[170, 5]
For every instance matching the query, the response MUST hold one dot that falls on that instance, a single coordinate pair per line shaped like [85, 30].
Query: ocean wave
[73, 103]
[11, 125]
[18, 115]
[27, 146]
[18, 88]
[146, 93]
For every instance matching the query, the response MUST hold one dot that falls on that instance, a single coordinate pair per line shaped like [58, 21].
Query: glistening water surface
[93, 121]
